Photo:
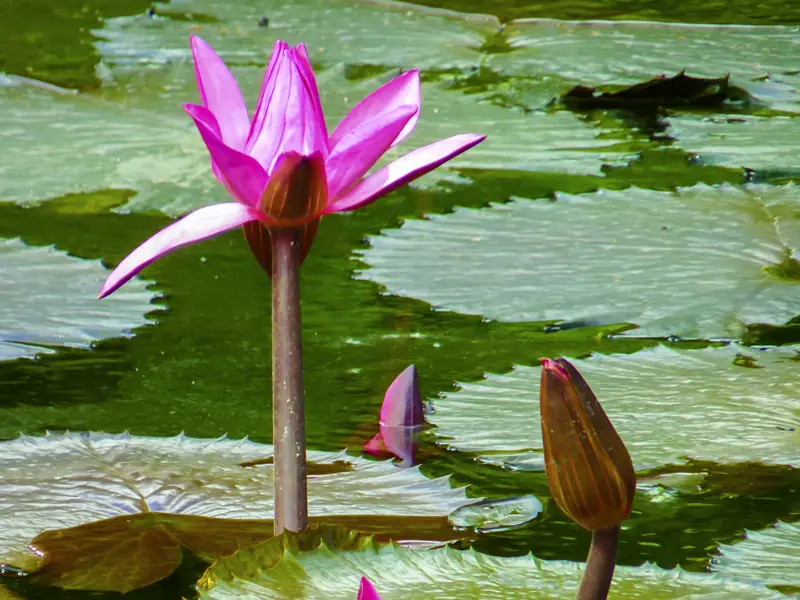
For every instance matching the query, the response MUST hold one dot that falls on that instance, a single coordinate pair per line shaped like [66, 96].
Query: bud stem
[288, 412]
[600, 564]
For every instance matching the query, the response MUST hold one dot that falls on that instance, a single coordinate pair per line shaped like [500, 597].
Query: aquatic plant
[589, 470]
[285, 172]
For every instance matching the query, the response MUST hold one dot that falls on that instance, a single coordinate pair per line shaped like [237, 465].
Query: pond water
[571, 233]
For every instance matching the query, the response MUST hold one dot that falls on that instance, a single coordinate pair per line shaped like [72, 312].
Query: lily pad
[723, 405]
[659, 260]
[760, 59]
[766, 144]
[770, 556]
[49, 299]
[158, 154]
[329, 572]
[137, 138]
[338, 31]
[163, 492]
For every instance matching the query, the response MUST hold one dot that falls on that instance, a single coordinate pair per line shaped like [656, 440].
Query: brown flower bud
[588, 467]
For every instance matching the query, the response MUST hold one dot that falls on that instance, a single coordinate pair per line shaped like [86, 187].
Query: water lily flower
[401, 419]
[281, 167]
[588, 467]
[367, 591]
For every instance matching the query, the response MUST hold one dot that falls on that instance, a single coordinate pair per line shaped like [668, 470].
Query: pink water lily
[281, 167]
[367, 591]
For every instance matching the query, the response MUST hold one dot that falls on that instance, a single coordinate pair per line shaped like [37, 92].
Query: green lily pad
[337, 31]
[71, 480]
[158, 154]
[761, 143]
[659, 260]
[49, 299]
[333, 571]
[762, 60]
[556, 142]
[137, 137]
[722, 405]
[770, 556]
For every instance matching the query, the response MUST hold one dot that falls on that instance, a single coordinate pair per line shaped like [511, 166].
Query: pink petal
[306, 70]
[301, 131]
[362, 146]
[405, 169]
[199, 225]
[210, 121]
[267, 128]
[375, 446]
[220, 94]
[367, 591]
[400, 91]
[241, 174]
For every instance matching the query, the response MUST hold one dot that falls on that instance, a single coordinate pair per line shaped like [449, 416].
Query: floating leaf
[766, 144]
[49, 299]
[762, 60]
[164, 492]
[333, 573]
[555, 142]
[770, 556]
[668, 406]
[343, 31]
[659, 92]
[158, 154]
[660, 260]
[140, 139]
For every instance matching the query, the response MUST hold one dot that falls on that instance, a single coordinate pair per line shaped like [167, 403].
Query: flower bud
[401, 419]
[366, 591]
[588, 467]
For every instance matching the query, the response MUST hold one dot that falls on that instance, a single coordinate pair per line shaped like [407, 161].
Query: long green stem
[600, 565]
[288, 412]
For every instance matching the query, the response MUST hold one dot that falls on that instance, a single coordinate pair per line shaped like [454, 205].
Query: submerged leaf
[331, 573]
[770, 556]
[497, 515]
[761, 60]
[170, 492]
[661, 91]
[130, 552]
[49, 299]
[668, 406]
[659, 260]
